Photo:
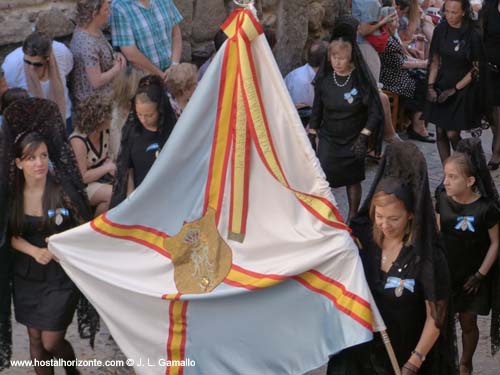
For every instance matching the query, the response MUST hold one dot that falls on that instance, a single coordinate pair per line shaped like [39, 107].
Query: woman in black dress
[490, 22]
[456, 73]
[468, 211]
[148, 127]
[346, 112]
[405, 269]
[44, 200]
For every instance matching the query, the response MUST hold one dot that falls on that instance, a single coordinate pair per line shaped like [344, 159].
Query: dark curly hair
[92, 112]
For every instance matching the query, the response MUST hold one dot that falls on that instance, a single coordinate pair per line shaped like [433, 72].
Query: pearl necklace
[337, 83]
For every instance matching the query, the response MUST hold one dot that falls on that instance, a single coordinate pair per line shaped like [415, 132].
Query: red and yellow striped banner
[176, 344]
[150, 237]
[349, 303]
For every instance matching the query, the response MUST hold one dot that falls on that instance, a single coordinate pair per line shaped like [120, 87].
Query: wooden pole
[390, 352]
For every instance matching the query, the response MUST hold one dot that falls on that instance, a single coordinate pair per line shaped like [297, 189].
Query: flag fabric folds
[231, 257]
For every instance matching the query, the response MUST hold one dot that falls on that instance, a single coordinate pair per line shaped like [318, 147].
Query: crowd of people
[80, 128]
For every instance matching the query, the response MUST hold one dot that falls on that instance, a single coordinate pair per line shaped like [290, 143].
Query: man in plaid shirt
[148, 33]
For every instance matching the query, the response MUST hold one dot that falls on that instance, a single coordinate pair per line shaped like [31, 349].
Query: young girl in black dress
[44, 297]
[43, 201]
[468, 220]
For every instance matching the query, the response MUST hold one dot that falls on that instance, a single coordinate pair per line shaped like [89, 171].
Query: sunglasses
[35, 64]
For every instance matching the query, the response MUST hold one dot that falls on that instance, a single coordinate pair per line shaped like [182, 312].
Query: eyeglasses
[35, 64]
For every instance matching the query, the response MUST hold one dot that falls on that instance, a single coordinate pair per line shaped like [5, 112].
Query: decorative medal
[399, 290]
[58, 214]
[399, 285]
[154, 147]
[59, 219]
[349, 96]
[465, 223]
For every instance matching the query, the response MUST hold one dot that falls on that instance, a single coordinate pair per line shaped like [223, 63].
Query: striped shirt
[150, 29]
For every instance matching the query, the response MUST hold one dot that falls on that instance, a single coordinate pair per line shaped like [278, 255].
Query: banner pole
[390, 352]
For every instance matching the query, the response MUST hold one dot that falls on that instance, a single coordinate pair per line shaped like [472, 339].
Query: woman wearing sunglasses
[41, 66]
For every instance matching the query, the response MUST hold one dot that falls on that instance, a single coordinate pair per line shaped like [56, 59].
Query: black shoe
[492, 166]
[417, 137]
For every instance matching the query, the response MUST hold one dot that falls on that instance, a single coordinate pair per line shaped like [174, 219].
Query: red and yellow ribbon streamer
[241, 118]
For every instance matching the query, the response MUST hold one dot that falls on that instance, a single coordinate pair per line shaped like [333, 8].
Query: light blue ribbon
[395, 282]
[351, 94]
[63, 211]
[469, 220]
[153, 147]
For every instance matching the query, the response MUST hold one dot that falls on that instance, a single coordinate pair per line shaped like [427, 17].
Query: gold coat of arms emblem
[201, 258]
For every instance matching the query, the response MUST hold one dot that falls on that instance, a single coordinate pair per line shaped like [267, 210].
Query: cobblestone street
[106, 349]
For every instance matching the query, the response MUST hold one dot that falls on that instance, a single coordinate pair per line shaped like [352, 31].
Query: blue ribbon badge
[349, 96]
[465, 223]
[154, 147]
[58, 213]
[457, 43]
[399, 285]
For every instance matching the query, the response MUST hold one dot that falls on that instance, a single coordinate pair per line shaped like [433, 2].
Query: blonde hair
[181, 78]
[382, 199]
[125, 86]
[339, 44]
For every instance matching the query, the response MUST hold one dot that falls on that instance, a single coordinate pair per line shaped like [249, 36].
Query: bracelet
[413, 369]
[366, 132]
[419, 355]
[430, 85]
[174, 63]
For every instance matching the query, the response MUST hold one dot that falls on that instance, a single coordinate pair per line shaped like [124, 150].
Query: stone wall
[295, 23]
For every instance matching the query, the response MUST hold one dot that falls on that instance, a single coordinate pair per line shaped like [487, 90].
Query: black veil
[403, 162]
[42, 116]
[346, 29]
[486, 187]
[133, 128]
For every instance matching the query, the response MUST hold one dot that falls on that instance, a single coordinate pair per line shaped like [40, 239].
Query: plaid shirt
[148, 29]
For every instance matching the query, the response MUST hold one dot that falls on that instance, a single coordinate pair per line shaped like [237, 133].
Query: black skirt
[339, 164]
[495, 86]
[45, 305]
[45, 298]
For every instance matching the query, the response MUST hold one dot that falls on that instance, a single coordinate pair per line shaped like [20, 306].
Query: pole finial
[244, 3]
